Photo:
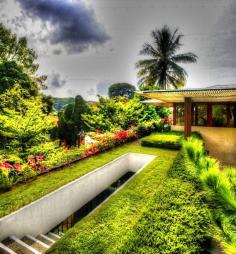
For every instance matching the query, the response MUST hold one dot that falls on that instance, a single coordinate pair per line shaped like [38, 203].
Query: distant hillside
[62, 102]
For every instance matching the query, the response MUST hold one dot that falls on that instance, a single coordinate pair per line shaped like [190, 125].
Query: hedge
[170, 140]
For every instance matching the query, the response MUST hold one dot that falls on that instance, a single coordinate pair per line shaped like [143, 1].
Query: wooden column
[174, 113]
[209, 115]
[187, 117]
[228, 115]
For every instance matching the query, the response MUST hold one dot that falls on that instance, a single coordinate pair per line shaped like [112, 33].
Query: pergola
[188, 97]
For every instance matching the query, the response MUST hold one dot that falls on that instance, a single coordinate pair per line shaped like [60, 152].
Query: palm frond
[185, 58]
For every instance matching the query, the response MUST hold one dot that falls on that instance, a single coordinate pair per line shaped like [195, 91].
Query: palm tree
[161, 70]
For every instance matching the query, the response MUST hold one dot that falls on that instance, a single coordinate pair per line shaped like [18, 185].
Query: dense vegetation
[220, 186]
[33, 139]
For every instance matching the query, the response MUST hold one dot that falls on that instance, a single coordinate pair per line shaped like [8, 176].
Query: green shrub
[169, 140]
[194, 148]
[176, 222]
[221, 188]
[6, 181]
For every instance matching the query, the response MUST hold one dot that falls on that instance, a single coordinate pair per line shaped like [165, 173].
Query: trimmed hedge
[170, 140]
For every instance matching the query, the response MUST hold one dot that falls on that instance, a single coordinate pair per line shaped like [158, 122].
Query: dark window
[199, 115]
[219, 116]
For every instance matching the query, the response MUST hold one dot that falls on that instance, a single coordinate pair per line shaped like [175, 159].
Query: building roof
[218, 93]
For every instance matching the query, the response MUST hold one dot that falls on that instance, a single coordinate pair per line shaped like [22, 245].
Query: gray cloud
[57, 81]
[73, 24]
[223, 49]
[57, 51]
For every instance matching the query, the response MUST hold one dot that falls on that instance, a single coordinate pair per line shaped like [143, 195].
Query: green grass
[25, 194]
[161, 210]
[106, 230]
[170, 140]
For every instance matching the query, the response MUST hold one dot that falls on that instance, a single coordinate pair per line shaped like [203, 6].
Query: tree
[70, 120]
[48, 102]
[119, 113]
[121, 89]
[11, 73]
[24, 127]
[161, 70]
[14, 49]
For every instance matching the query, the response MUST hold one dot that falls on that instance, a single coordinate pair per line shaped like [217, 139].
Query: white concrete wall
[44, 214]
[220, 142]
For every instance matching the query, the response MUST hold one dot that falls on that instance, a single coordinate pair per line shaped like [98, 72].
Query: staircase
[28, 244]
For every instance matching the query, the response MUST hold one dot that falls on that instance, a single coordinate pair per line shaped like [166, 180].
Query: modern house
[210, 111]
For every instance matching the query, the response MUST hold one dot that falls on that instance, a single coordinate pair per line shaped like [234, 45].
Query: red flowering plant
[12, 170]
[37, 163]
[167, 122]
[90, 150]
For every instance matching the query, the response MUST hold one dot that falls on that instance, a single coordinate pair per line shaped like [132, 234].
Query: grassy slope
[25, 194]
[106, 230]
[177, 220]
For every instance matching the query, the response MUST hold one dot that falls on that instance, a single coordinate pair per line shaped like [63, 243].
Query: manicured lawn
[25, 194]
[108, 228]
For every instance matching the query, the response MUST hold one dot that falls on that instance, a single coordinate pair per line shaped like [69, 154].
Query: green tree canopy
[161, 70]
[119, 113]
[25, 126]
[14, 49]
[121, 89]
[11, 73]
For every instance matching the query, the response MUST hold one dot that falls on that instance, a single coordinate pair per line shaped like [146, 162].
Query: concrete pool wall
[42, 215]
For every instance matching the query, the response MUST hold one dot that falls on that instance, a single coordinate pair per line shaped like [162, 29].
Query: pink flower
[7, 165]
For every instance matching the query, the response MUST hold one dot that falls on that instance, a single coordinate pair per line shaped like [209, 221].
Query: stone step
[19, 246]
[45, 239]
[53, 236]
[5, 250]
[35, 243]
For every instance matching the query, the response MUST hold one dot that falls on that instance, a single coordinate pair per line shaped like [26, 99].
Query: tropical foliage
[161, 70]
[24, 127]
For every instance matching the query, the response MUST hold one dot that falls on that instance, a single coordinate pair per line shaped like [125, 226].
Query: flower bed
[51, 156]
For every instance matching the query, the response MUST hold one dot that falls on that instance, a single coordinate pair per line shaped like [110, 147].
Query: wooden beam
[209, 115]
[228, 115]
[187, 117]
[174, 113]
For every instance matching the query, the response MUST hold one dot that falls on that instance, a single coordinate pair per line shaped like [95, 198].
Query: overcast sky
[84, 46]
